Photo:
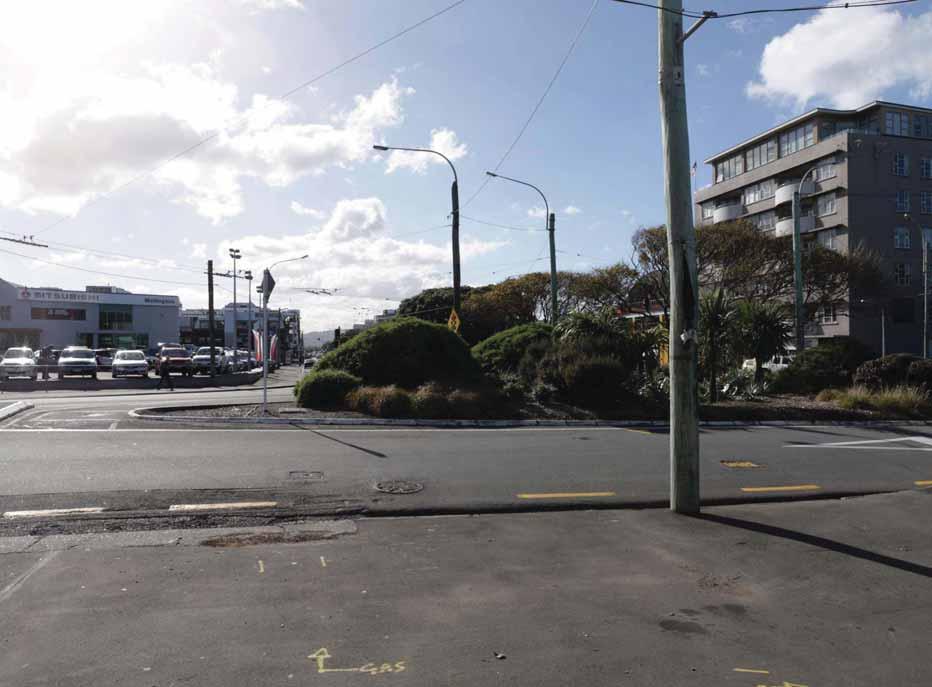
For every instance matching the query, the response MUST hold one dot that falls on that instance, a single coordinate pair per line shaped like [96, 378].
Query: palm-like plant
[763, 331]
[717, 318]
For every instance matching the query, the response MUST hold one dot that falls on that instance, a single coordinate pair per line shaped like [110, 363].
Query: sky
[100, 99]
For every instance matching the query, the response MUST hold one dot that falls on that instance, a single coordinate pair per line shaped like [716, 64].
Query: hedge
[325, 388]
[888, 371]
[503, 352]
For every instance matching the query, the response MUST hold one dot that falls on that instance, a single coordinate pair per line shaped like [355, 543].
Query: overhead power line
[540, 101]
[707, 14]
[500, 226]
[284, 96]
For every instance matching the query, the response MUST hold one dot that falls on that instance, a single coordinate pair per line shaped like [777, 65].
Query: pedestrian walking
[45, 360]
[165, 375]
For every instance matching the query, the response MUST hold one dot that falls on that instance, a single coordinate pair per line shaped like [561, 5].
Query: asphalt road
[813, 594]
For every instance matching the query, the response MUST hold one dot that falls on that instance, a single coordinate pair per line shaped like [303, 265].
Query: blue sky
[112, 90]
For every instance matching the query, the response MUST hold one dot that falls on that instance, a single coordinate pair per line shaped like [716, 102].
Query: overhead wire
[500, 226]
[540, 101]
[694, 14]
[284, 96]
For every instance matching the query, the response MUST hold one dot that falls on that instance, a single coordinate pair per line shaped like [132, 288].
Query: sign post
[267, 285]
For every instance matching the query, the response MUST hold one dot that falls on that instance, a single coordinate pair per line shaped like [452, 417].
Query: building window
[828, 238]
[901, 238]
[116, 317]
[919, 126]
[758, 192]
[6, 312]
[901, 164]
[729, 168]
[58, 314]
[707, 210]
[797, 139]
[902, 275]
[827, 314]
[902, 201]
[823, 172]
[925, 167]
[825, 204]
[760, 155]
[765, 221]
[925, 202]
[897, 124]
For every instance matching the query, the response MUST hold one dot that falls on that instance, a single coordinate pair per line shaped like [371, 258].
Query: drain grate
[399, 486]
[305, 476]
[741, 464]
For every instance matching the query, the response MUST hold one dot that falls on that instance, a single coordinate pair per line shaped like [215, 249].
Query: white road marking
[50, 512]
[873, 444]
[222, 506]
[113, 425]
[11, 588]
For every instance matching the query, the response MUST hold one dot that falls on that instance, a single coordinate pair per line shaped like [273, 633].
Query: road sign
[267, 285]
[454, 322]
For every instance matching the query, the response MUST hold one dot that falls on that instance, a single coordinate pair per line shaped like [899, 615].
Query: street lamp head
[234, 253]
[383, 148]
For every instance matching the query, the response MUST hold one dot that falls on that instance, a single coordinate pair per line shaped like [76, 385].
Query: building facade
[98, 317]
[868, 183]
[231, 325]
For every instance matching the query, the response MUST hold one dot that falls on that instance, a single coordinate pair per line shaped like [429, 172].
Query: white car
[127, 363]
[774, 365]
[223, 360]
[19, 362]
[77, 360]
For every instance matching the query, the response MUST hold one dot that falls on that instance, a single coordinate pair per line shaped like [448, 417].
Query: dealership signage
[62, 296]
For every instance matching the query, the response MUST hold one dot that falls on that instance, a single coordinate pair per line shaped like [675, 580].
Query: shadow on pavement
[821, 542]
[340, 441]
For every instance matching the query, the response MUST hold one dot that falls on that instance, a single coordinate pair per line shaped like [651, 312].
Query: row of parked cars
[22, 361]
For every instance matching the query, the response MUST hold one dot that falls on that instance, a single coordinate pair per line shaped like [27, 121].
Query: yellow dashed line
[793, 487]
[566, 495]
[924, 483]
[752, 670]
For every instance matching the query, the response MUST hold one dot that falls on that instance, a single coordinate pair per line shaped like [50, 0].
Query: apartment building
[868, 182]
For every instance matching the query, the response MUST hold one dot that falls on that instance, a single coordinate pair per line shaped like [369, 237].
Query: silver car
[19, 362]
[127, 363]
[77, 360]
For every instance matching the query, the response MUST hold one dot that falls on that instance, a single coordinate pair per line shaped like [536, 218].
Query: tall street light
[550, 225]
[267, 285]
[248, 276]
[236, 255]
[456, 220]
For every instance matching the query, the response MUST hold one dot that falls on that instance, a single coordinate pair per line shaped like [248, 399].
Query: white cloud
[352, 252]
[313, 213]
[847, 58]
[199, 250]
[66, 142]
[441, 140]
[537, 212]
[572, 210]
[266, 5]
[749, 24]
[702, 69]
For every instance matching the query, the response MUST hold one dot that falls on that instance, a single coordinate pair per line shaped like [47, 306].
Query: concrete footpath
[817, 594]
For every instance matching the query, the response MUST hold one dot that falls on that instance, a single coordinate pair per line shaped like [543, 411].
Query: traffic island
[87, 384]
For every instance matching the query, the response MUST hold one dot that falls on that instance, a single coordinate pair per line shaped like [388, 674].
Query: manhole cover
[305, 475]
[740, 464]
[399, 486]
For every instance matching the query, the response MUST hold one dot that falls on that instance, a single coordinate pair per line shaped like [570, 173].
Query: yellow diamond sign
[454, 322]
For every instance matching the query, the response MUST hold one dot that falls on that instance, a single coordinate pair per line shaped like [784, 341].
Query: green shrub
[920, 373]
[897, 400]
[529, 366]
[325, 388]
[888, 371]
[405, 351]
[381, 401]
[594, 382]
[826, 366]
[466, 405]
[504, 351]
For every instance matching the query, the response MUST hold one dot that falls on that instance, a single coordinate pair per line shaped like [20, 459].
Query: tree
[717, 320]
[434, 305]
[607, 288]
[762, 331]
[500, 307]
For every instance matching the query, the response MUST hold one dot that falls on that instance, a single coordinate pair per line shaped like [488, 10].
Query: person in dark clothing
[165, 375]
[45, 360]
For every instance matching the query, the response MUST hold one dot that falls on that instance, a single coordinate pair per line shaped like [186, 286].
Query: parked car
[19, 362]
[774, 365]
[201, 360]
[307, 365]
[245, 364]
[77, 360]
[104, 357]
[127, 363]
[177, 360]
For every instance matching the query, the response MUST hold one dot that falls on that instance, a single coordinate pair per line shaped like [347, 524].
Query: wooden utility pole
[681, 242]
[552, 229]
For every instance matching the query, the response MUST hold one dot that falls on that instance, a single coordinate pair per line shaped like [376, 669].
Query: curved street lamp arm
[524, 183]
[422, 150]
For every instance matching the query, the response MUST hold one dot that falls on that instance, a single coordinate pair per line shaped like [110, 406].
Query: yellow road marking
[323, 562]
[752, 670]
[793, 487]
[261, 567]
[639, 431]
[740, 464]
[566, 495]
[233, 505]
[924, 483]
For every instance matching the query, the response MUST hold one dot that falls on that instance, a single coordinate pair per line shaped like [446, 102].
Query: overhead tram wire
[540, 102]
[693, 14]
[284, 96]
[500, 226]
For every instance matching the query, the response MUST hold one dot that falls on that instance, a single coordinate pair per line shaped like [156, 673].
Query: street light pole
[248, 276]
[455, 217]
[550, 222]
[265, 330]
[236, 255]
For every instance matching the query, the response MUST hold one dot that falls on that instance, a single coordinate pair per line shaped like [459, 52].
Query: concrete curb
[14, 409]
[236, 380]
[159, 414]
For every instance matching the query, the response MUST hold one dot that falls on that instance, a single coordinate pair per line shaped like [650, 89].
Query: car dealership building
[98, 317]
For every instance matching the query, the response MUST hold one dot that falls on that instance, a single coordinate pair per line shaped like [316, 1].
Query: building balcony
[784, 227]
[785, 193]
[726, 213]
